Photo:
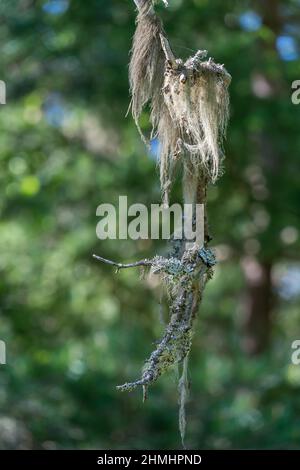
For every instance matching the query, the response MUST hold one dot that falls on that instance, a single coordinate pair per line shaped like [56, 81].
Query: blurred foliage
[73, 328]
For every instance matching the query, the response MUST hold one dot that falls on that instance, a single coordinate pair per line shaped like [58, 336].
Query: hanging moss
[189, 113]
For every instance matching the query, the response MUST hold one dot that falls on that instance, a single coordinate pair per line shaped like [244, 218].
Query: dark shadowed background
[73, 328]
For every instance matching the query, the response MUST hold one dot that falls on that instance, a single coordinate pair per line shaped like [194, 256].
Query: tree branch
[144, 262]
[168, 51]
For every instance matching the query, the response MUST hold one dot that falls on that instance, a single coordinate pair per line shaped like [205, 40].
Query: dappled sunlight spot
[32, 114]
[250, 21]
[64, 39]
[289, 235]
[223, 252]
[287, 281]
[29, 185]
[65, 217]
[17, 165]
[14, 434]
[109, 309]
[33, 101]
[55, 7]
[97, 135]
[253, 270]
[261, 86]
[76, 368]
[287, 48]
[55, 110]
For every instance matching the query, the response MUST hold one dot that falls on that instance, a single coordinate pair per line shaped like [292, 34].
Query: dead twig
[144, 262]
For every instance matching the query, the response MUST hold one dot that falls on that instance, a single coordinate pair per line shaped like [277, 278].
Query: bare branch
[168, 51]
[144, 262]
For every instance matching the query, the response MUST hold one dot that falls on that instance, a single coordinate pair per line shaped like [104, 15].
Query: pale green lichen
[183, 388]
[175, 344]
[189, 105]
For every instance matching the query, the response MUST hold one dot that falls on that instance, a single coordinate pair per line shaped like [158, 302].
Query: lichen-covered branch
[181, 278]
[189, 105]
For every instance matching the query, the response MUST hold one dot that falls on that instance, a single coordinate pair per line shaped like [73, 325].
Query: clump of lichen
[189, 105]
[189, 100]
[181, 278]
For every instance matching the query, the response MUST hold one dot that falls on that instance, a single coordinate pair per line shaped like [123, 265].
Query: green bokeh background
[73, 328]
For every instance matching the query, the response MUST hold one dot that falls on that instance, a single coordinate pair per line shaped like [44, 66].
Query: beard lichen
[189, 100]
[189, 105]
